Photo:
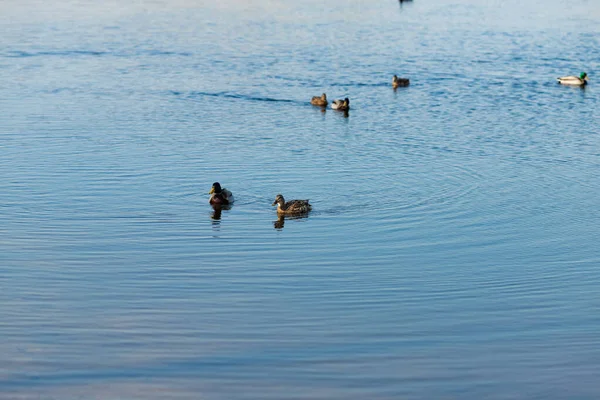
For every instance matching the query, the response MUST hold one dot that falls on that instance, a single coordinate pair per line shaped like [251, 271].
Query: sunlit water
[452, 252]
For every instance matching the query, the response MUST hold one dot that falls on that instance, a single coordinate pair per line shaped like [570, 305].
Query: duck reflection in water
[343, 113]
[215, 216]
[282, 217]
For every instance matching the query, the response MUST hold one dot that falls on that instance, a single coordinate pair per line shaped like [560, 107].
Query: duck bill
[274, 203]
[212, 190]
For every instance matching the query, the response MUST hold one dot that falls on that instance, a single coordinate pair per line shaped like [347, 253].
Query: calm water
[453, 248]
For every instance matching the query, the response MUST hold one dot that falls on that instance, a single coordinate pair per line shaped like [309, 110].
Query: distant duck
[319, 101]
[292, 206]
[220, 196]
[342, 105]
[399, 82]
[573, 80]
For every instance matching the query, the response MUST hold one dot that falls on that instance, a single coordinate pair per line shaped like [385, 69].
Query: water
[453, 247]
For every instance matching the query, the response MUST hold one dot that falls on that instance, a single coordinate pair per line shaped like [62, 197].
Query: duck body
[399, 82]
[292, 206]
[219, 195]
[573, 80]
[319, 101]
[342, 105]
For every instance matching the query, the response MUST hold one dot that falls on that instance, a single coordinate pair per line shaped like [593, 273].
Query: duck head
[216, 188]
[279, 200]
[583, 76]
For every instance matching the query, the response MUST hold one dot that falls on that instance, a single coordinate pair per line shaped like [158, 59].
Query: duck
[292, 206]
[319, 101]
[219, 195]
[342, 105]
[573, 80]
[399, 82]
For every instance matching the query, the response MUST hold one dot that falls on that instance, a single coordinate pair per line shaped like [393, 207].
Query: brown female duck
[399, 82]
[319, 101]
[292, 206]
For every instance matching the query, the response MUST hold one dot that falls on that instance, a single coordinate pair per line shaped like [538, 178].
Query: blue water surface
[452, 251]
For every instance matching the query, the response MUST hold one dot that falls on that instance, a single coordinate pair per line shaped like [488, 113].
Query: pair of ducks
[220, 196]
[580, 80]
[344, 105]
[321, 101]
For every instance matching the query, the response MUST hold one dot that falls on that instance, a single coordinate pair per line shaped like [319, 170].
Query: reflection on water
[280, 222]
[217, 210]
[401, 2]
[215, 216]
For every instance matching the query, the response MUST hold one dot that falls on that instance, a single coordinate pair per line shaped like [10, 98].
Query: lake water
[452, 251]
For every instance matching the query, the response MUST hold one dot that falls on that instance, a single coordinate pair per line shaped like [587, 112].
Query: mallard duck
[220, 196]
[342, 105]
[292, 206]
[319, 101]
[573, 80]
[399, 82]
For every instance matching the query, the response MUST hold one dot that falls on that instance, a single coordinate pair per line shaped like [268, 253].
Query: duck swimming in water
[219, 195]
[342, 105]
[399, 82]
[574, 80]
[292, 206]
[319, 101]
